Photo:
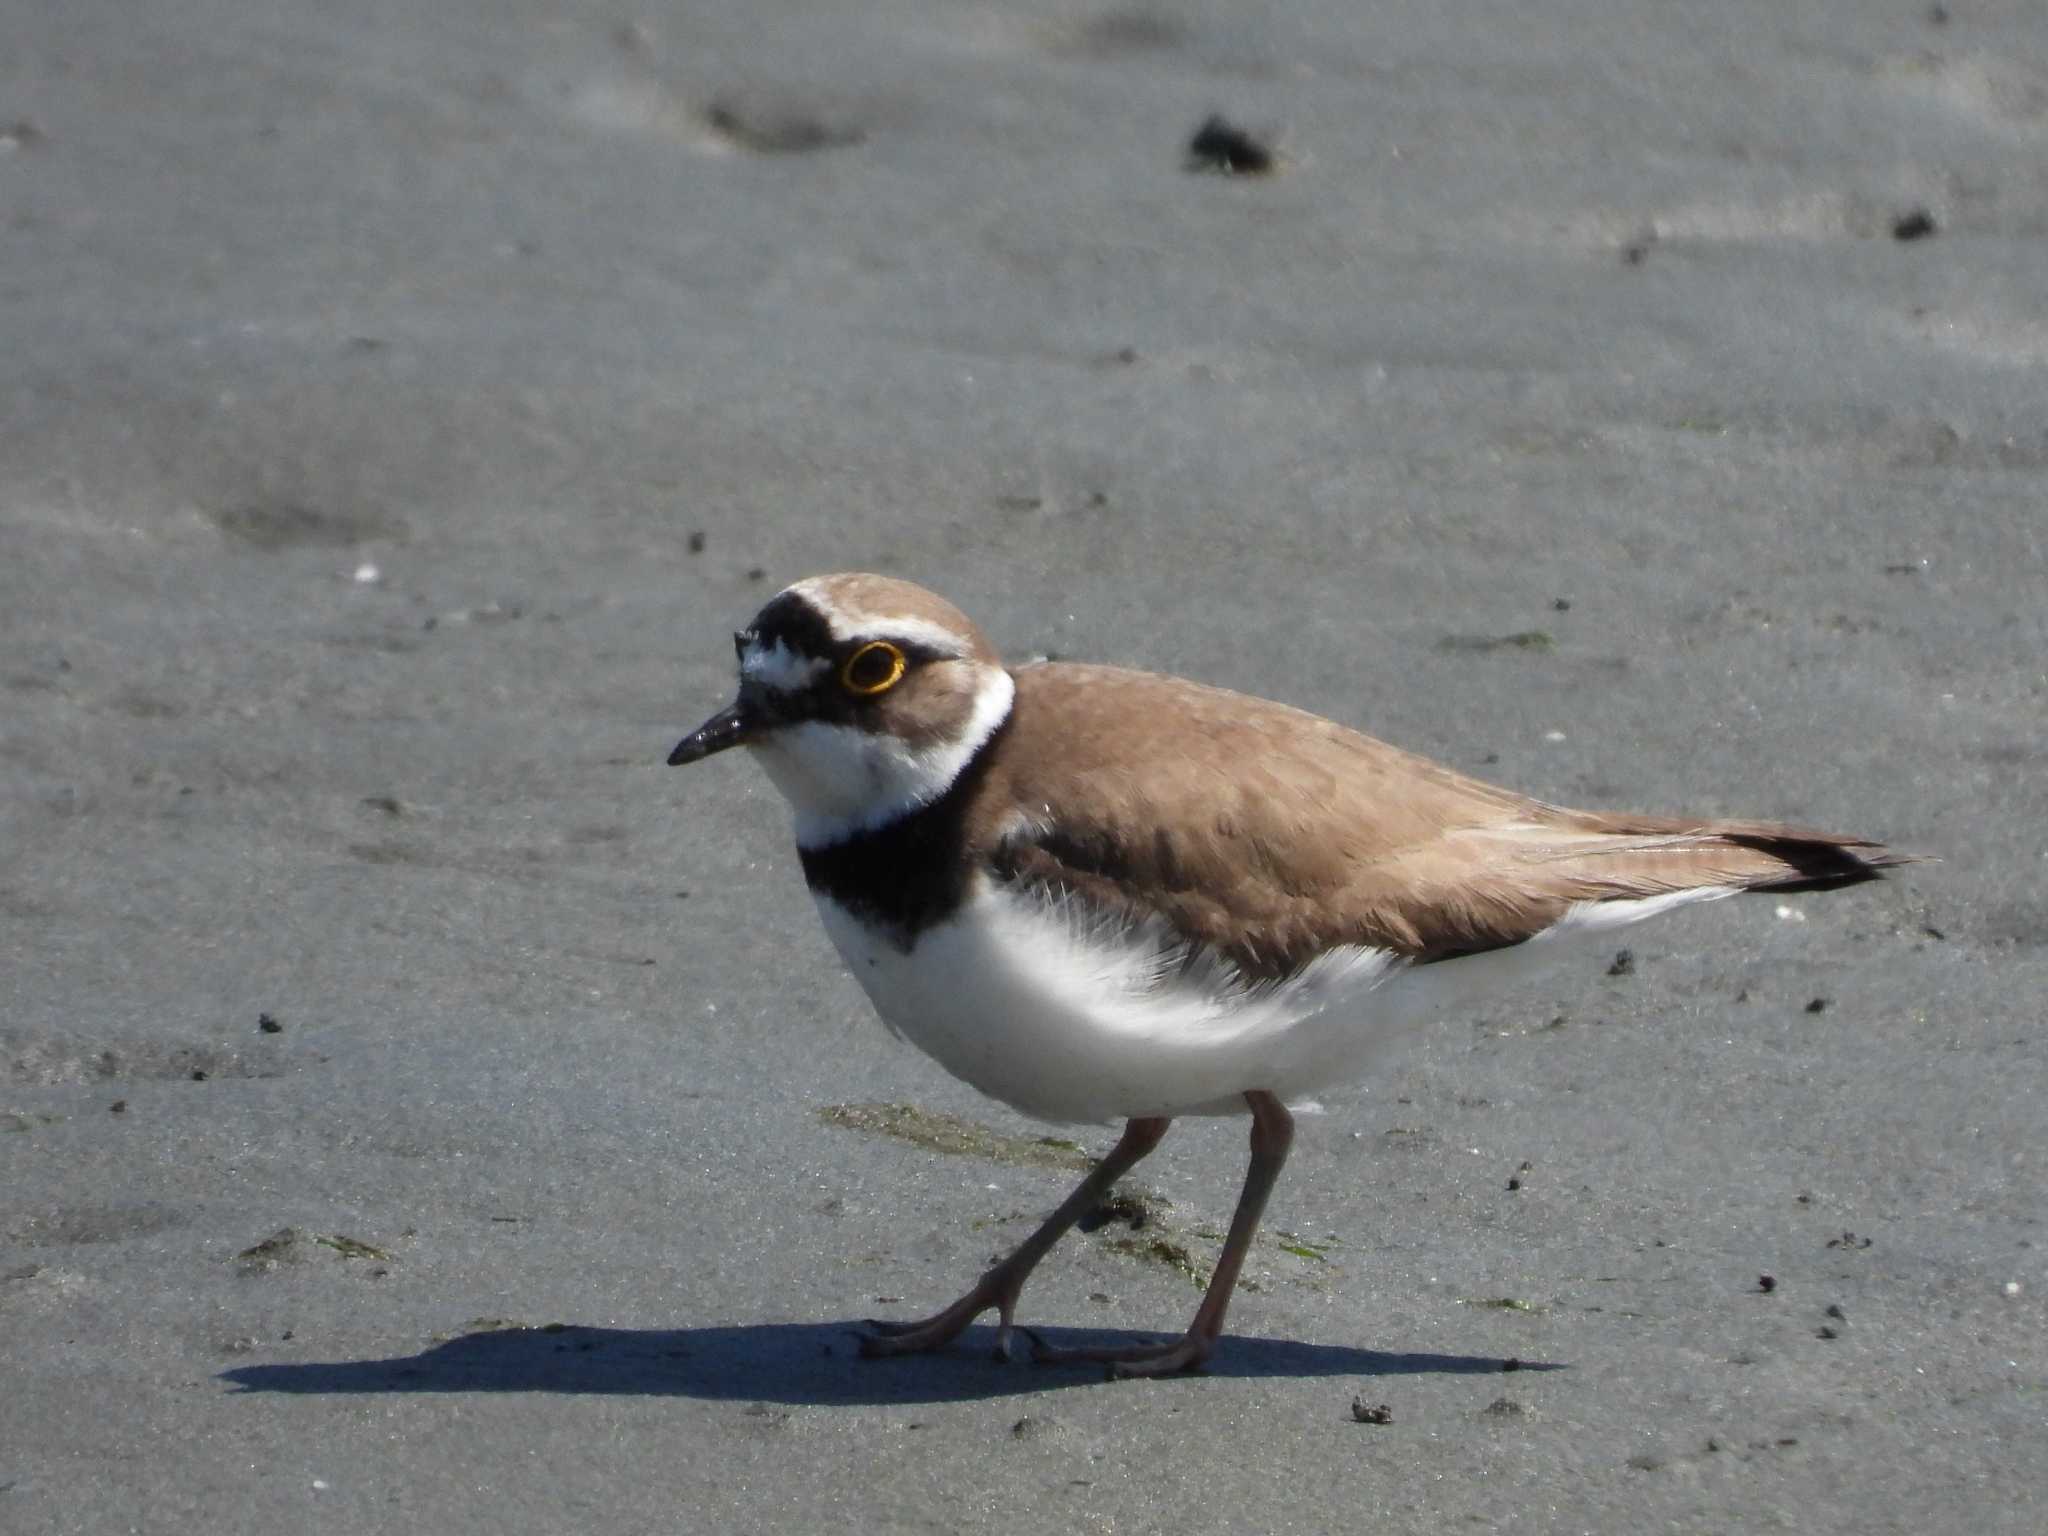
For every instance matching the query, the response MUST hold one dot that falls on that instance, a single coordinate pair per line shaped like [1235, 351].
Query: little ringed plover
[1098, 894]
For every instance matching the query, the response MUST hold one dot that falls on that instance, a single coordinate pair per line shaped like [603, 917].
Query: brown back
[1272, 835]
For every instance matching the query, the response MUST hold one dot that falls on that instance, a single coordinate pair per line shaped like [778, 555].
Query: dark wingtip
[1820, 863]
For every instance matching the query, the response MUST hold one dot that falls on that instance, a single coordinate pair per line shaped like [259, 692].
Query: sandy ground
[402, 403]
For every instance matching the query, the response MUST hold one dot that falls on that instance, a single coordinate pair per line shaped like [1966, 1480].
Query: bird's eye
[875, 668]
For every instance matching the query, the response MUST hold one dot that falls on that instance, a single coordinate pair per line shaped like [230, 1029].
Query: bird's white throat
[841, 780]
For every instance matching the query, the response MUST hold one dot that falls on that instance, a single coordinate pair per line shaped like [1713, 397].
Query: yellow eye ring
[875, 668]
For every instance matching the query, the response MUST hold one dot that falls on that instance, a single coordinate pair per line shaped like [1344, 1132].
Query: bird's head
[862, 696]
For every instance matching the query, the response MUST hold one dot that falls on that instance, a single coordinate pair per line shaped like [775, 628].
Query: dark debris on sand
[1222, 147]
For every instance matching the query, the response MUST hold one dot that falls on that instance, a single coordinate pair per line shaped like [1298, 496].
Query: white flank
[1038, 1003]
[1594, 917]
[779, 668]
[841, 780]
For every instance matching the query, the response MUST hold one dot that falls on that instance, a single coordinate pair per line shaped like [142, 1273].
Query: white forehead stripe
[778, 667]
[923, 632]
[846, 626]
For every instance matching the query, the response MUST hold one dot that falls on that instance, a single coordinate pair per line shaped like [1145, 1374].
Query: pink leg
[1272, 1135]
[1001, 1286]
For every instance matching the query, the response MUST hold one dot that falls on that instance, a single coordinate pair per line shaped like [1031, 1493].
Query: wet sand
[421, 1109]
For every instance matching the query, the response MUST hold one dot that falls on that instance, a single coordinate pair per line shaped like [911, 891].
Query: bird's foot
[994, 1289]
[1181, 1356]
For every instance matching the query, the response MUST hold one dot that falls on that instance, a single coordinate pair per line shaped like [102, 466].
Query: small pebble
[1916, 224]
[22, 133]
[1220, 145]
[1037, 1427]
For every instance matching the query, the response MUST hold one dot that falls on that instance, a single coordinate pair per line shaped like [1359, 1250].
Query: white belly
[1038, 1005]
[1035, 1005]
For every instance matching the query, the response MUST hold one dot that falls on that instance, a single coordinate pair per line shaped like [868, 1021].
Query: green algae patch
[287, 1245]
[936, 1131]
[353, 1248]
[294, 1245]
[1133, 1208]
[1313, 1249]
[1521, 640]
[1163, 1250]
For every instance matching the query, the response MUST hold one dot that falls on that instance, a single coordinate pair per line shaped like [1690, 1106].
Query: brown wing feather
[1273, 835]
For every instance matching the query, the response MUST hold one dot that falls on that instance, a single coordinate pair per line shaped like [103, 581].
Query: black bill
[730, 727]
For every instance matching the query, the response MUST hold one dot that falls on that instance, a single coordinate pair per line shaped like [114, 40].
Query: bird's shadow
[797, 1363]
